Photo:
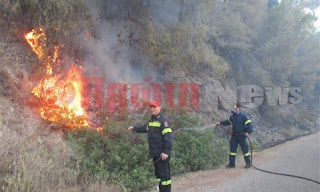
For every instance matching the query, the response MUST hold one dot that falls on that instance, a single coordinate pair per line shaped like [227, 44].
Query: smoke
[119, 25]
[108, 57]
[166, 12]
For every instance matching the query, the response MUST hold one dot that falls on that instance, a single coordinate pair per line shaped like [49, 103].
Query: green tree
[283, 29]
[61, 19]
[183, 47]
[306, 74]
[233, 26]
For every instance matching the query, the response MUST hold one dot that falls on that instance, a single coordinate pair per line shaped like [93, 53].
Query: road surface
[299, 157]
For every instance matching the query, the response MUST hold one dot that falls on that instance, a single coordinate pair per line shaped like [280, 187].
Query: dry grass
[30, 160]
[39, 164]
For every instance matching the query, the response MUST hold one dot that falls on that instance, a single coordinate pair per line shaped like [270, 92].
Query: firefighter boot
[232, 159]
[248, 162]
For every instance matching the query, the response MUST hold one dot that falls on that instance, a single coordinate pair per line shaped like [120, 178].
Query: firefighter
[160, 141]
[241, 129]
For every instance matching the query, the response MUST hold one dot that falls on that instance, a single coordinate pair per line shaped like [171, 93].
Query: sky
[317, 23]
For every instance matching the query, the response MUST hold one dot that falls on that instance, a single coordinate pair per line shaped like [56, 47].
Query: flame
[99, 129]
[36, 40]
[60, 95]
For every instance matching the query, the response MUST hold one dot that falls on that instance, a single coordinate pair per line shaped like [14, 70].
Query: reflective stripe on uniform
[155, 124]
[229, 121]
[247, 122]
[166, 130]
[168, 182]
[234, 154]
[247, 154]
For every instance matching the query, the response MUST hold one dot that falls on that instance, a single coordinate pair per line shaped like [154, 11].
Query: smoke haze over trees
[213, 43]
[265, 43]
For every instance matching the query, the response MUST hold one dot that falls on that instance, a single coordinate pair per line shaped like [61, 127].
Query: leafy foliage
[306, 74]
[122, 158]
[187, 120]
[284, 28]
[194, 151]
[183, 46]
[60, 18]
[113, 159]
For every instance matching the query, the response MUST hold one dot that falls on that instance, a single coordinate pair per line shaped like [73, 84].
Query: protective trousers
[235, 140]
[162, 173]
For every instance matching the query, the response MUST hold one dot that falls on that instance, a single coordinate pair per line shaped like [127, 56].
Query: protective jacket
[159, 134]
[240, 123]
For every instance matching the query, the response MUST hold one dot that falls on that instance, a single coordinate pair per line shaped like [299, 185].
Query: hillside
[268, 64]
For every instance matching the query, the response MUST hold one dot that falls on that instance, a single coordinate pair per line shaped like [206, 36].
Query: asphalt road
[299, 157]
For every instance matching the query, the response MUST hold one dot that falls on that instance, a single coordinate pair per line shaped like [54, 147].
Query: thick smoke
[108, 57]
[117, 28]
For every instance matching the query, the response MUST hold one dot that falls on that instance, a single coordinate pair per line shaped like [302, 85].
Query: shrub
[122, 158]
[186, 121]
[110, 156]
[61, 19]
[182, 47]
[194, 151]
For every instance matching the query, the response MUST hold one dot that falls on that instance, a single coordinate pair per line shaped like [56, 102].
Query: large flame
[60, 95]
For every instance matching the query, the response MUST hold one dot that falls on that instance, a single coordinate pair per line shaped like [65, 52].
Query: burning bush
[60, 94]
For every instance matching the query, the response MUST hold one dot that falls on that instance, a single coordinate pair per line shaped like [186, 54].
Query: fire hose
[251, 156]
[266, 171]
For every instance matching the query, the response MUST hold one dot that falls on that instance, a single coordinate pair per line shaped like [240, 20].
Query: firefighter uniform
[241, 124]
[160, 140]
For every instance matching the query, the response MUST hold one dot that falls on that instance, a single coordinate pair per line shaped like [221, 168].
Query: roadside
[298, 157]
